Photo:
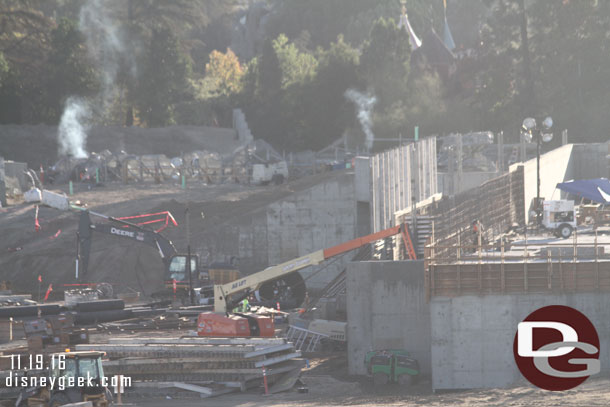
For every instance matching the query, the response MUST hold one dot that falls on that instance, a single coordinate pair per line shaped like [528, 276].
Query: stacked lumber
[232, 362]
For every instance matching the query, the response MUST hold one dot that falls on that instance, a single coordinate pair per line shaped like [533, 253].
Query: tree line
[293, 90]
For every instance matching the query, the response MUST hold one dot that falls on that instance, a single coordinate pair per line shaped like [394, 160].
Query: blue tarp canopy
[597, 190]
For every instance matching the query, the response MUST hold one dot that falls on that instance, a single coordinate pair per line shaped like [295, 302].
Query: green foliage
[3, 68]
[294, 99]
[501, 76]
[357, 30]
[323, 19]
[163, 81]
[24, 41]
[312, 52]
[572, 76]
[297, 67]
[70, 71]
[570, 58]
[270, 72]
[223, 74]
[328, 111]
[385, 61]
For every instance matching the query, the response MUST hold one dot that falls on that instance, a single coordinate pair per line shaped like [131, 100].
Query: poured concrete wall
[311, 218]
[387, 309]
[472, 337]
[590, 160]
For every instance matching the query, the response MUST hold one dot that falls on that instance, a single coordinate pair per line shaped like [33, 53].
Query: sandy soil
[326, 390]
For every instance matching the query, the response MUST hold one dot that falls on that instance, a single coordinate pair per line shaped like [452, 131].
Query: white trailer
[559, 216]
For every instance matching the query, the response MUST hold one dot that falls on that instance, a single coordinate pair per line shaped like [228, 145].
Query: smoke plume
[364, 104]
[73, 128]
[106, 47]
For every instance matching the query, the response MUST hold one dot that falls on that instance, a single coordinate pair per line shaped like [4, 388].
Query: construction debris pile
[208, 365]
[48, 325]
[207, 166]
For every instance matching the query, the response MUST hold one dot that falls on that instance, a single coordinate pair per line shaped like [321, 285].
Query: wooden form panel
[505, 278]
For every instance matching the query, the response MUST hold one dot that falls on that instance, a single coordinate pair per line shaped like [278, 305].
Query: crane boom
[254, 281]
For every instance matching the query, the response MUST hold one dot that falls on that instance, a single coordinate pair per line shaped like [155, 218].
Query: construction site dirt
[50, 252]
[337, 390]
[328, 384]
[38, 250]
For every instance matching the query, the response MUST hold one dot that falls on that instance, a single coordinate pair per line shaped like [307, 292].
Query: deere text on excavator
[179, 278]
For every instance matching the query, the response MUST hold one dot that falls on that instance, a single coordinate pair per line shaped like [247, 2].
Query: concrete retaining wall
[310, 219]
[590, 160]
[320, 217]
[472, 337]
[387, 309]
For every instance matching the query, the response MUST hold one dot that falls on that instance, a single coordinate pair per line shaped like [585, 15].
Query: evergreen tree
[3, 69]
[163, 81]
[69, 69]
[385, 61]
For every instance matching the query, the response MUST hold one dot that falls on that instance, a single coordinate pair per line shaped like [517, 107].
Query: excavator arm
[223, 293]
[119, 228]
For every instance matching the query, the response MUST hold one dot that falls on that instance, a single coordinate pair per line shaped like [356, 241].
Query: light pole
[529, 130]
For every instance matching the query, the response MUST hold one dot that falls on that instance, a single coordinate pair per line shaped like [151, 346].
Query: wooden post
[119, 400]
[265, 380]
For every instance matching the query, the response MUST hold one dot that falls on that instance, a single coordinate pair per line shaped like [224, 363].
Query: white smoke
[106, 44]
[364, 103]
[107, 49]
[73, 128]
